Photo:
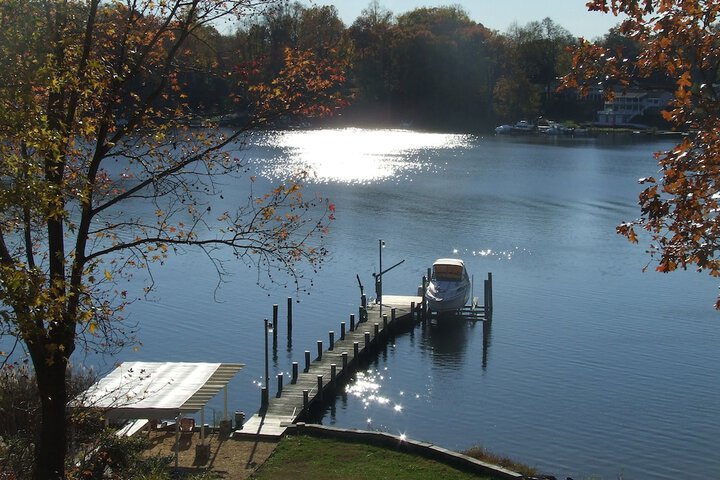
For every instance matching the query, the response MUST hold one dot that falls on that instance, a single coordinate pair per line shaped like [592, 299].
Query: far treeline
[430, 67]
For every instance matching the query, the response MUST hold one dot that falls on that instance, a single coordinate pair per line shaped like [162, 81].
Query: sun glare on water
[357, 155]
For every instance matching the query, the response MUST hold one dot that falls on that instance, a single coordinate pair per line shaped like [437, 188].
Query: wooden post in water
[289, 316]
[331, 336]
[423, 308]
[490, 284]
[294, 372]
[279, 384]
[307, 361]
[342, 330]
[352, 322]
[274, 323]
[319, 349]
[264, 400]
[486, 298]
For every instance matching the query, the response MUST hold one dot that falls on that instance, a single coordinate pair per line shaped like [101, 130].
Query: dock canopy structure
[159, 390]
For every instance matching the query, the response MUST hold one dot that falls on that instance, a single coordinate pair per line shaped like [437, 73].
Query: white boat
[449, 286]
[523, 126]
[503, 129]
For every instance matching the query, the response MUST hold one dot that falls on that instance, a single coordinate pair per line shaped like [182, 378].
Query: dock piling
[352, 322]
[275, 323]
[319, 350]
[490, 296]
[289, 316]
[307, 361]
[264, 400]
[294, 373]
[279, 384]
[331, 336]
[342, 330]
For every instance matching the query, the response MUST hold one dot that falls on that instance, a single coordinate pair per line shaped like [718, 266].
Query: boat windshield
[447, 272]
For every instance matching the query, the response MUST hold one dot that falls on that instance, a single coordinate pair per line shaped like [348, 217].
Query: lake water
[592, 369]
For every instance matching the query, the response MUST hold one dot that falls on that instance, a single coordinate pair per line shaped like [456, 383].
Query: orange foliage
[680, 39]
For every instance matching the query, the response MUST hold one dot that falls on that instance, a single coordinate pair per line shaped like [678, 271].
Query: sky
[496, 14]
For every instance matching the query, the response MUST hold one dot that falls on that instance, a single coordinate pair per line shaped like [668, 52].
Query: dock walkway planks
[285, 408]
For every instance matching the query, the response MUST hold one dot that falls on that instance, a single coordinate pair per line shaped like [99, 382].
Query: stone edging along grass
[386, 440]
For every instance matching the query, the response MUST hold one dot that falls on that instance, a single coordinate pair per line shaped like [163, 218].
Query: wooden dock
[316, 379]
[319, 377]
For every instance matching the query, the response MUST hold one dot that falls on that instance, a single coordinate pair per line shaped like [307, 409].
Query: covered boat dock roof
[157, 389]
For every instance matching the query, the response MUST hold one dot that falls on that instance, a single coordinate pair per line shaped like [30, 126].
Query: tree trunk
[51, 443]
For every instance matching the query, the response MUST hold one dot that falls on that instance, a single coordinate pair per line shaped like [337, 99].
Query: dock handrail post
[331, 338]
[289, 316]
[279, 384]
[342, 330]
[319, 349]
[352, 322]
[306, 399]
[345, 361]
[274, 323]
[307, 361]
[294, 372]
[320, 387]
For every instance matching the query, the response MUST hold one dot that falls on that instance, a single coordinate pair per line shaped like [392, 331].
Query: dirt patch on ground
[229, 458]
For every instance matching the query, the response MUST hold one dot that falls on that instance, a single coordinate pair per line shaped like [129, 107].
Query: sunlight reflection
[355, 155]
[366, 388]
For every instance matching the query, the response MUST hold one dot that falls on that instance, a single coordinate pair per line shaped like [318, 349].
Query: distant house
[627, 108]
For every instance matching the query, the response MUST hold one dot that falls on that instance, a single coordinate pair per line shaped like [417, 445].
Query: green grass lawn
[321, 459]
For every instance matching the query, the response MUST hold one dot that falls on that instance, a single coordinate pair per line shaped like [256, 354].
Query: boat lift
[475, 311]
[378, 281]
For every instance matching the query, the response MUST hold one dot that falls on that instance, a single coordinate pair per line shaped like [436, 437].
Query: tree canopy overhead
[680, 40]
[95, 114]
